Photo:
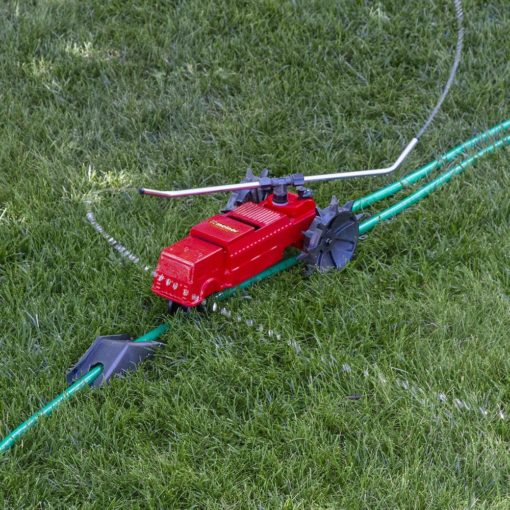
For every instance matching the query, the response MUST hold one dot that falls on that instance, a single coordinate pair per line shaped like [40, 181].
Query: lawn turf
[382, 386]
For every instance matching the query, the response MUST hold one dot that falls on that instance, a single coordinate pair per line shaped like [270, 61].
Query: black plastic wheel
[332, 238]
[173, 307]
[338, 242]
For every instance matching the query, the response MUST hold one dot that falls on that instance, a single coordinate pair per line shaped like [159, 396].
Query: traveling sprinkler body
[260, 222]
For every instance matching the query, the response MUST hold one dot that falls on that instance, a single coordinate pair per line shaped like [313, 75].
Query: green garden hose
[424, 171]
[364, 227]
[426, 190]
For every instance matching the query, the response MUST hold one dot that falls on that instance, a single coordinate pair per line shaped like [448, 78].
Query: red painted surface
[228, 248]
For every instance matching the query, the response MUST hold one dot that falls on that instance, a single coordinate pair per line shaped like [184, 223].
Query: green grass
[98, 95]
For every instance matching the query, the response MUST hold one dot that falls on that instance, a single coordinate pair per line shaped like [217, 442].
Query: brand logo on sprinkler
[221, 226]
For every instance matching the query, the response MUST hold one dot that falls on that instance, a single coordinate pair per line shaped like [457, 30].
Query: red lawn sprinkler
[261, 221]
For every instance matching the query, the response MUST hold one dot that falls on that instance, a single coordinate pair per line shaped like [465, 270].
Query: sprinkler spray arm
[292, 180]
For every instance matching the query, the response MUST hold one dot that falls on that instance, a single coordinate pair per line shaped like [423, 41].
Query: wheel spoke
[340, 260]
[332, 257]
[343, 240]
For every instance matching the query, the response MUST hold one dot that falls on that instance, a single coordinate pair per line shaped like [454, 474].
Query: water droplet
[295, 346]
[458, 403]
[226, 313]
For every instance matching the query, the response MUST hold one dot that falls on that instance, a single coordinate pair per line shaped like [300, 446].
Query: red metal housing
[228, 248]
